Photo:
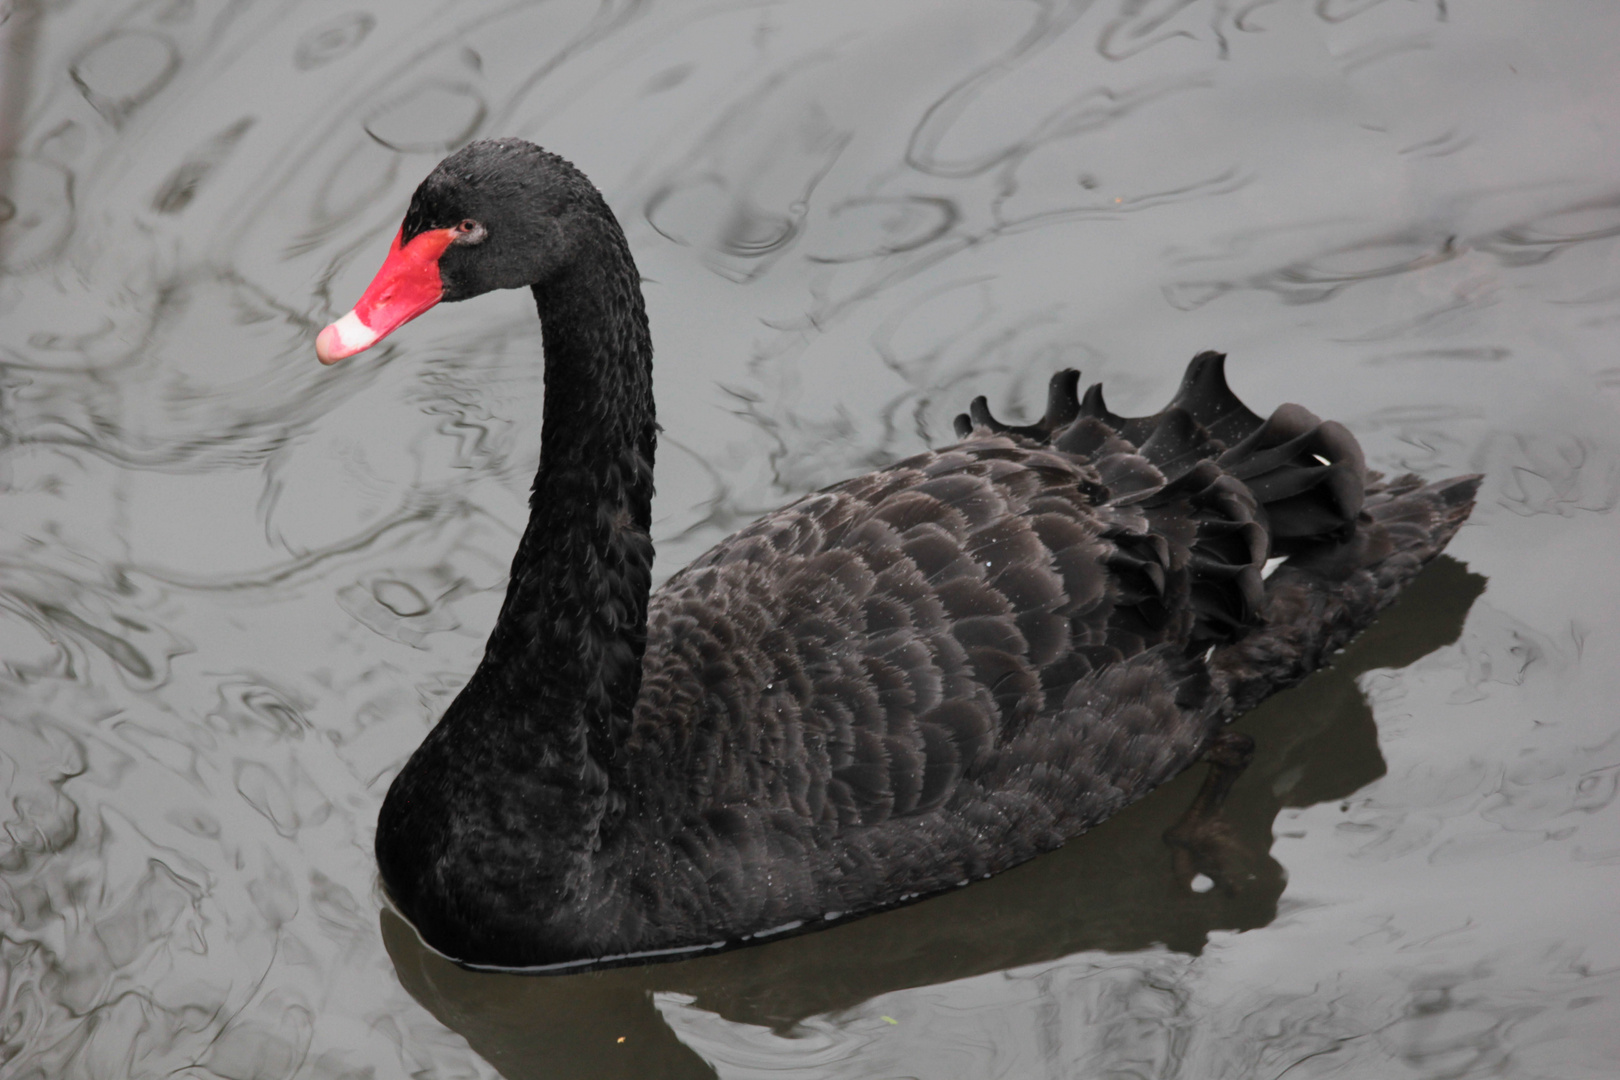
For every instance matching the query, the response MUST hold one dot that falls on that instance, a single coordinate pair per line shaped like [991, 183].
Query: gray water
[236, 588]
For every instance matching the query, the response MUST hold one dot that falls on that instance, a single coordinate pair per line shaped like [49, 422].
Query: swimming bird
[887, 689]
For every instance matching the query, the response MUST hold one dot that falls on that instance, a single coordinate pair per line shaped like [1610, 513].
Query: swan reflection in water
[1117, 888]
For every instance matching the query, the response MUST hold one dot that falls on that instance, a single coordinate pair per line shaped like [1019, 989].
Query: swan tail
[1289, 485]
[1305, 476]
[1203, 395]
[1321, 597]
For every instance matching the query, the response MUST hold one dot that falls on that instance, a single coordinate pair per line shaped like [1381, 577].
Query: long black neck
[565, 657]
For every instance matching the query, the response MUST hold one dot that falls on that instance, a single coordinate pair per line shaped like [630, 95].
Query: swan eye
[469, 231]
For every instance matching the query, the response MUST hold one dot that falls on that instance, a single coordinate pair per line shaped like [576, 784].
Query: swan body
[889, 688]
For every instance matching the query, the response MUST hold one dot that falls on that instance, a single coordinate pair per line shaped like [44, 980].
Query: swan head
[496, 214]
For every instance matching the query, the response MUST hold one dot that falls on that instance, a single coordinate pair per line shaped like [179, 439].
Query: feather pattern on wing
[934, 671]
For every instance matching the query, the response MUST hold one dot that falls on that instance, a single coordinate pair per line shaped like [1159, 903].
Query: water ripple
[236, 588]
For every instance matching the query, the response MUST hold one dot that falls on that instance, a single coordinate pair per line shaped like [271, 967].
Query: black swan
[887, 689]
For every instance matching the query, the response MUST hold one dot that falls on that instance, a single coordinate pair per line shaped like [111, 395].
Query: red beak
[407, 285]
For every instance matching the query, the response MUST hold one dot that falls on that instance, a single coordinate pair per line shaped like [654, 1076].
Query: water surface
[236, 588]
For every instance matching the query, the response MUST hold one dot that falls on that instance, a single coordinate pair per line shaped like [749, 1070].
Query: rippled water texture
[236, 588]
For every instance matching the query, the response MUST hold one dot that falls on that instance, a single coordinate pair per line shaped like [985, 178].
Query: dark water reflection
[235, 588]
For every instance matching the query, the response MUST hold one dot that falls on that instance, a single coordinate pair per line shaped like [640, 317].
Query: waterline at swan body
[889, 688]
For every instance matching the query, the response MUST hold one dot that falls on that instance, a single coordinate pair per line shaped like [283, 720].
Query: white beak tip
[344, 338]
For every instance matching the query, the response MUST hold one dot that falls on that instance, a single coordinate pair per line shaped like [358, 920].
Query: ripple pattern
[236, 587]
